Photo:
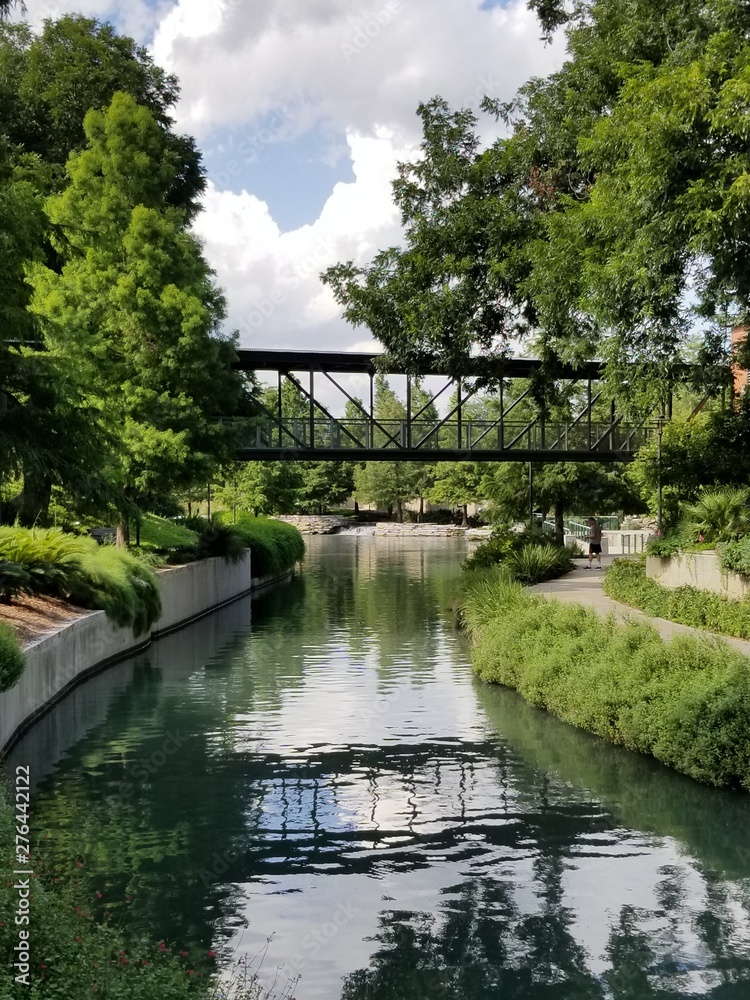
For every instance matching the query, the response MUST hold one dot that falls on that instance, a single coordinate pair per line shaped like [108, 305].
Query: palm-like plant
[6, 6]
[718, 515]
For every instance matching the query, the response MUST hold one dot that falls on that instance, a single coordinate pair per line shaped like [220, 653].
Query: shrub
[718, 515]
[735, 556]
[275, 546]
[626, 581]
[12, 659]
[92, 576]
[14, 579]
[529, 555]
[536, 563]
[221, 541]
[685, 702]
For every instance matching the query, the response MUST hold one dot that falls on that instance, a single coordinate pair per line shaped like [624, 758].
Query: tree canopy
[609, 217]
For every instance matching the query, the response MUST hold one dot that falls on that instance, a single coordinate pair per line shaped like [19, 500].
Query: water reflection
[338, 780]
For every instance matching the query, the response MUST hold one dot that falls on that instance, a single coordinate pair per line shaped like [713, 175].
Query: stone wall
[315, 524]
[55, 663]
[700, 570]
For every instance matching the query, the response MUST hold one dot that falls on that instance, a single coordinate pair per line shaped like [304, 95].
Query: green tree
[49, 81]
[612, 205]
[324, 485]
[459, 484]
[135, 305]
[260, 487]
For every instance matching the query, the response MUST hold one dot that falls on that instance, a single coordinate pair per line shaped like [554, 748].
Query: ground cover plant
[79, 570]
[164, 535]
[626, 581]
[685, 702]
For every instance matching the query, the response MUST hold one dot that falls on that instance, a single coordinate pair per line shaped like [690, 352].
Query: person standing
[595, 542]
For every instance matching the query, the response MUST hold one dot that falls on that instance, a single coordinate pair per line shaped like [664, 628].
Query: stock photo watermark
[369, 26]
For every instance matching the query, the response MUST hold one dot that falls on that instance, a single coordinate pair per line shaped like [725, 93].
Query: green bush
[275, 546]
[12, 660]
[14, 580]
[685, 702]
[735, 556]
[530, 555]
[90, 575]
[536, 563]
[626, 581]
[718, 515]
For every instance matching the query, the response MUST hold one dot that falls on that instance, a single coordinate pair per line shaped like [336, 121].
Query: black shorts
[595, 549]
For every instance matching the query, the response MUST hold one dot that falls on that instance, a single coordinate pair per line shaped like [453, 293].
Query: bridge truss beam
[321, 436]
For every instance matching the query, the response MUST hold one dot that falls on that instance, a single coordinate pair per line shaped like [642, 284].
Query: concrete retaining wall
[697, 569]
[60, 660]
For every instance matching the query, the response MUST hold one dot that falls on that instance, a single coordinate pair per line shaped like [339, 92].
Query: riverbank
[90, 642]
[683, 699]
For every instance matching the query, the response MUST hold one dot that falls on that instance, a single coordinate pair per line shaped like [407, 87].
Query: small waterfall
[356, 529]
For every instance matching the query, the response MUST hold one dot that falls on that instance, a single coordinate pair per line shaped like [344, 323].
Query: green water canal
[314, 780]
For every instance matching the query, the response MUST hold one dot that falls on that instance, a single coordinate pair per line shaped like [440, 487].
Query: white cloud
[271, 278]
[288, 66]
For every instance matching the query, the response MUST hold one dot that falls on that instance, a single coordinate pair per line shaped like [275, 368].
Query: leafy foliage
[92, 576]
[275, 547]
[626, 581]
[735, 556]
[718, 515]
[12, 660]
[685, 702]
[526, 556]
[536, 563]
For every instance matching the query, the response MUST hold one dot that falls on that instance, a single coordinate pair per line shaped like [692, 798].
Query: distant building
[741, 375]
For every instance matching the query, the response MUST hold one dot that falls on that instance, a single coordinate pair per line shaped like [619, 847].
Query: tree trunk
[559, 522]
[420, 515]
[356, 508]
[464, 515]
[31, 505]
[123, 531]
[399, 512]
[390, 511]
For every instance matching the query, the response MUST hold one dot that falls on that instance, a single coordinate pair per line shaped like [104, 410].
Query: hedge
[275, 546]
[685, 702]
[626, 581]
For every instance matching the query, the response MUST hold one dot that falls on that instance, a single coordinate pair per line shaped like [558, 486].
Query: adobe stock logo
[369, 25]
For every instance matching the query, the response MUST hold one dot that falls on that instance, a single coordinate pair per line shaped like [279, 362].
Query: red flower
[42, 965]
[79, 864]
[183, 954]
[211, 954]
[145, 962]
[190, 972]
[98, 894]
[106, 913]
[162, 946]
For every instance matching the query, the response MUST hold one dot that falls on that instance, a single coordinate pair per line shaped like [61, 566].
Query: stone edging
[701, 570]
[62, 659]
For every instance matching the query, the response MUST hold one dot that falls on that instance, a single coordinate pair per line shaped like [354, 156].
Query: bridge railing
[468, 435]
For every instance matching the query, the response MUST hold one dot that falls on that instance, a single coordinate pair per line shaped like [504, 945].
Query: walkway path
[584, 586]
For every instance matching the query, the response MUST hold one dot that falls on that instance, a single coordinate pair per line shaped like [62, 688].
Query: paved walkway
[584, 586]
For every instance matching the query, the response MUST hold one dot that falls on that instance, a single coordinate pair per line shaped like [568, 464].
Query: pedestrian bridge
[318, 435]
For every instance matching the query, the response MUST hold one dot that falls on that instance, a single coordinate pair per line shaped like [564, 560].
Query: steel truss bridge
[320, 436]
